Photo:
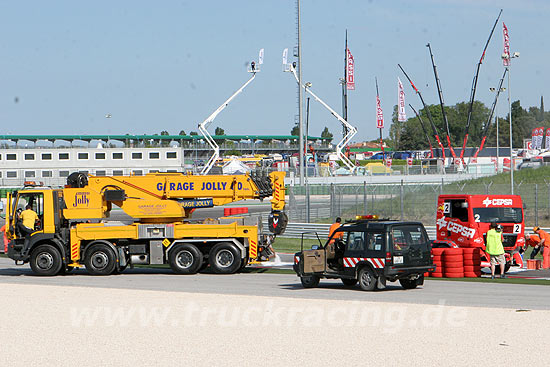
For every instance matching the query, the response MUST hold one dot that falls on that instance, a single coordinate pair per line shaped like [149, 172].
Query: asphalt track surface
[434, 292]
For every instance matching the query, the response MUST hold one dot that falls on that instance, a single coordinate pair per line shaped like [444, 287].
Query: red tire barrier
[454, 265]
[437, 251]
[472, 274]
[437, 275]
[471, 250]
[471, 268]
[454, 274]
[452, 258]
[453, 251]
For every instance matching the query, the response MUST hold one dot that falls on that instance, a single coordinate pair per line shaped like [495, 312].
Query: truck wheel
[408, 283]
[100, 260]
[224, 258]
[185, 259]
[309, 281]
[367, 279]
[46, 260]
[349, 282]
[244, 263]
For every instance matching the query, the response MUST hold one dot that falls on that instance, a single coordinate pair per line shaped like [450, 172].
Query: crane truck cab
[73, 230]
[370, 252]
[464, 220]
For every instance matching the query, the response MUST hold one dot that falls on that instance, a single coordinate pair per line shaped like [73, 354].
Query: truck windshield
[502, 215]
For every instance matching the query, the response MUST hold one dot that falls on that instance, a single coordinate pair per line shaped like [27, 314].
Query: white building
[52, 165]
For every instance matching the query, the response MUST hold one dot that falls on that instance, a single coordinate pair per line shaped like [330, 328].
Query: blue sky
[167, 65]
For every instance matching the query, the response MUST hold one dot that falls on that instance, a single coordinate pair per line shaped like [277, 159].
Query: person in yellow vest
[495, 249]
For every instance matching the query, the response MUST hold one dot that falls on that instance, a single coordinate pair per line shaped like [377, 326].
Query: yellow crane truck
[72, 229]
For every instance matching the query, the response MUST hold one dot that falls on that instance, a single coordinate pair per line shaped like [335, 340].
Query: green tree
[193, 133]
[182, 132]
[326, 134]
[295, 130]
[219, 131]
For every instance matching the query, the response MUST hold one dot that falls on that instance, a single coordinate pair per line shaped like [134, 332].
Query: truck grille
[509, 240]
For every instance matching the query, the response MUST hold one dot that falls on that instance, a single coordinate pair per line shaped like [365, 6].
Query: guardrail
[295, 230]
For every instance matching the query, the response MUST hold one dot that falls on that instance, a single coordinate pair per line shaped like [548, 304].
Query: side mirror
[315, 247]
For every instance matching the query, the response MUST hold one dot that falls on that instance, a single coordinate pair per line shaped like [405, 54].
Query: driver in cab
[28, 221]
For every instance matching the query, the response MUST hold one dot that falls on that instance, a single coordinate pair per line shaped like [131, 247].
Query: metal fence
[405, 201]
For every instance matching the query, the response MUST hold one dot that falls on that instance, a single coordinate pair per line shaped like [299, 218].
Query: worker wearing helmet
[544, 245]
[533, 241]
[495, 249]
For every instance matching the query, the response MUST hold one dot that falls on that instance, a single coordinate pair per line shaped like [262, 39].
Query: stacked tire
[472, 262]
[453, 263]
[438, 262]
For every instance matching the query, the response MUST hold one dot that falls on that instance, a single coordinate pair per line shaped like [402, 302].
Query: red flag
[350, 65]
[534, 133]
[506, 59]
[379, 114]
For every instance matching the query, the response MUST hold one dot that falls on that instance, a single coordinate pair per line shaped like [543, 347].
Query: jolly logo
[497, 202]
[81, 199]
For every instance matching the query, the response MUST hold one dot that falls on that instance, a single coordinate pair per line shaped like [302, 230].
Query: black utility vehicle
[370, 252]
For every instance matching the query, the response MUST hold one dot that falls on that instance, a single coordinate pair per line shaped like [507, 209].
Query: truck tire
[408, 283]
[185, 259]
[310, 281]
[349, 282]
[46, 260]
[100, 259]
[367, 279]
[224, 258]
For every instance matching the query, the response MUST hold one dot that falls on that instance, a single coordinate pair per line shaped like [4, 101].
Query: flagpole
[381, 141]
[345, 87]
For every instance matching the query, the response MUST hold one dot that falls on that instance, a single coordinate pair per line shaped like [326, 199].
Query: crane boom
[434, 129]
[488, 123]
[350, 130]
[423, 129]
[204, 126]
[474, 87]
[441, 103]
[158, 196]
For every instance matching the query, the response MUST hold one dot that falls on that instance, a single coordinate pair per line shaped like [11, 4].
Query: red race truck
[464, 220]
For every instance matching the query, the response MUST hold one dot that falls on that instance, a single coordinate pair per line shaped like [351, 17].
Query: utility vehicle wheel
[408, 283]
[367, 279]
[100, 260]
[224, 258]
[349, 282]
[309, 281]
[185, 259]
[46, 260]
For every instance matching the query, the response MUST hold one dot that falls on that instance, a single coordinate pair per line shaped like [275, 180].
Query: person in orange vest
[533, 241]
[545, 245]
[333, 228]
[3, 229]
